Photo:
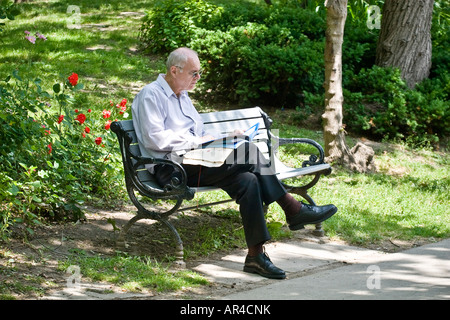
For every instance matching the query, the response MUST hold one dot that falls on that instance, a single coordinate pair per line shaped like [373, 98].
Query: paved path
[320, 271]
[419, 273]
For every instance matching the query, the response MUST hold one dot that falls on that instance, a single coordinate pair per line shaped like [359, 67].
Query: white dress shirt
[165, 123]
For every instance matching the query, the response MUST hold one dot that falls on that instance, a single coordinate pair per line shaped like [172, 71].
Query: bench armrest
[175, 188]
[139, 178]
[315, 166]
[313, 159]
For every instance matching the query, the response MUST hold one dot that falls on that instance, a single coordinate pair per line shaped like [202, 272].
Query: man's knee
[249, 184]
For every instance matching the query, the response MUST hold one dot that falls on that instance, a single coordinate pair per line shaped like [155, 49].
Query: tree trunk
[360, 157]
[405, 38]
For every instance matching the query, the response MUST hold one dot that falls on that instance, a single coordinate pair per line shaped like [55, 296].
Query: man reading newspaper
[168, 125]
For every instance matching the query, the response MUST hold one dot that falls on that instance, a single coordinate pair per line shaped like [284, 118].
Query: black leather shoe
[262, 265]
[309, 214]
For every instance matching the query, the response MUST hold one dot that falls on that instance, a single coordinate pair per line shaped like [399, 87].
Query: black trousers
[246, 177]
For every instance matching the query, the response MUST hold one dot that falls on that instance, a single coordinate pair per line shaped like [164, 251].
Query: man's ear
[173, 70]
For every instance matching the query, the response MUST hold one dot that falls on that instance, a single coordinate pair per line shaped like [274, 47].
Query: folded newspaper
[233, 141]
[214, 153]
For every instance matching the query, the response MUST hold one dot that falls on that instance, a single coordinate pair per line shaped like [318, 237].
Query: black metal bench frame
[141, 183]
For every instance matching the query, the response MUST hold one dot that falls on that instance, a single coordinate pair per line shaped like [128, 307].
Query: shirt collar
[167, 89]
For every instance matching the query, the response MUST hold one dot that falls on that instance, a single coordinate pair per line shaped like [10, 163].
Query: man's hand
[237, 132]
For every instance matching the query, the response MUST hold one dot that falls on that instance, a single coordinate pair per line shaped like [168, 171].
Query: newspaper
[214, 153]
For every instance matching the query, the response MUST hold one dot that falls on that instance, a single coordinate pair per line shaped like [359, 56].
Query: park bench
[141, 184]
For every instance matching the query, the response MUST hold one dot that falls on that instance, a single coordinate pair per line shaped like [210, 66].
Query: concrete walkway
[419, 273]
[320, 271]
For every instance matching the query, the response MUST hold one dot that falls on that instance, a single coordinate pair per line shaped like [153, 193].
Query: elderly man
[166, 122]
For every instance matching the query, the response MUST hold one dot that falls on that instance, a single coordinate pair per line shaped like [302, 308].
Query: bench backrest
[226, 122]
[222, 121]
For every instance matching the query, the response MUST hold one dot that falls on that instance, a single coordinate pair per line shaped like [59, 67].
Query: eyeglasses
[193, 74]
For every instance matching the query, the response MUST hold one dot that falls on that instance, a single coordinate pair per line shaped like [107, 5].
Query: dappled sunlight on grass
[135, 274]
[377, 206]
[114, 61]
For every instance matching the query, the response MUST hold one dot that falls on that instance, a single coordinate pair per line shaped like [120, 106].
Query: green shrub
[171, 23]
[274, 55]
[254, 62]
[253, 52]
[52, 156]
[359, 47]
[378, 103]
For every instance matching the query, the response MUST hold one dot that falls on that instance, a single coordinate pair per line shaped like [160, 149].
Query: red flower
[49, 148]
[87, 130]
[73, 79]
[89, 110]
[81, 118]
[98, 140]
[60, 118]
[108, 124]
[106, 113]
[122, 106]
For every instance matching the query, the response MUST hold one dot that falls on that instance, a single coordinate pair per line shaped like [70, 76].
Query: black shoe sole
[266, 275]
[302, 225]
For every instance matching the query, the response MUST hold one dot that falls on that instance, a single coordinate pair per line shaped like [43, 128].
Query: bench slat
[134, 148]
[292, 173]
[127, 125]
[231, 115]
[145, 175]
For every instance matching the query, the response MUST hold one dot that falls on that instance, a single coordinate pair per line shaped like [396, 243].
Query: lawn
[103, 51]
[406, 199]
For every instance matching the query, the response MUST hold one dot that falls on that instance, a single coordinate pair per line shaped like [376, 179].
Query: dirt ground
[34, 261]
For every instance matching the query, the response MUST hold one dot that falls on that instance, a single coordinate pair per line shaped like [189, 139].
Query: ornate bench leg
[319, 231]
[120, 242]
[179, 245]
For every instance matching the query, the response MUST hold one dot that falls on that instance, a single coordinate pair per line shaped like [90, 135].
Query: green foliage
[378, 103]
[359, 47]
[171, 24]
[52, 161]
[7, 11]
[274, 55]
[440, 31]
[253, 52]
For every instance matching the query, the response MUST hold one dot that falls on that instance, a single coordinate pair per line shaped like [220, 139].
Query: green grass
[406, 199]
[103, 52]
[15, 281]
[134, 273]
